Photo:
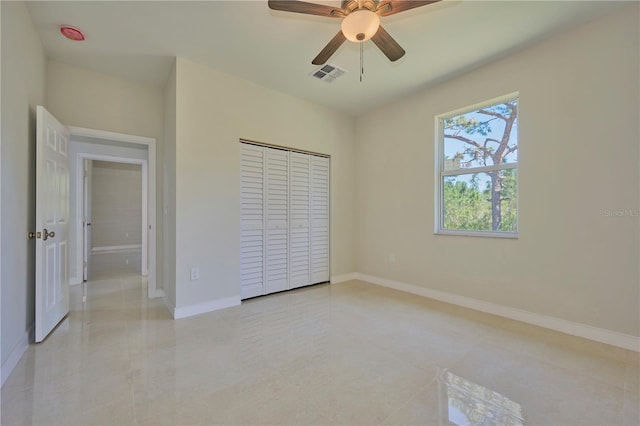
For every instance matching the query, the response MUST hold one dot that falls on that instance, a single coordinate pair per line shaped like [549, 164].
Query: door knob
[46, 234]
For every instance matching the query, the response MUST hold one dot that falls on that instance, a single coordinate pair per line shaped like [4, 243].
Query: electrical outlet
[392, 258]
[195, 273]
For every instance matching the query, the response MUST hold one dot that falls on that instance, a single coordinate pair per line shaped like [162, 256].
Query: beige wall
[169, 171]
[84, 98]
[23, 87]
[579, 139]
[116, 204]
[215, 110]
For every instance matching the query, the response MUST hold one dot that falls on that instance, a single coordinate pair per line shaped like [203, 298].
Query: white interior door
[86, 219]
[52, 223]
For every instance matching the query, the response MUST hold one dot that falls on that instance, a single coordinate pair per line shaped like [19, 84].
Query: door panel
[252, 221]
[86, 220]
[277, 215]
[52, 222]
[319, 219]
[300, 214]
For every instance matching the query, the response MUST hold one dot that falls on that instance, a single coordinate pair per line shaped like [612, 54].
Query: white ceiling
[137, 40]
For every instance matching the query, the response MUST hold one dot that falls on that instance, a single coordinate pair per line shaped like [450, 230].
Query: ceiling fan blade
[305, 7]
[388, 45]
[390, 7]
[329, 49]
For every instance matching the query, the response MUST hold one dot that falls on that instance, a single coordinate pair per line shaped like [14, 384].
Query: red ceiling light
[71, 33]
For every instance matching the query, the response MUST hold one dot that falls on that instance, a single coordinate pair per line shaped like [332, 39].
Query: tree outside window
[477, 162]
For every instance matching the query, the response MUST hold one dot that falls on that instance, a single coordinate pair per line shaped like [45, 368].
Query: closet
[284, 219]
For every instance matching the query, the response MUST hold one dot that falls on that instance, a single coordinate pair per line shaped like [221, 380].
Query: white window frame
[440, 173]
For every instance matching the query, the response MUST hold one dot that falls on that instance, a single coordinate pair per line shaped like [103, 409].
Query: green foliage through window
[479, 156]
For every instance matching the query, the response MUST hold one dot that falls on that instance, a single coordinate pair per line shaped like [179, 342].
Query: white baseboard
[201, 308]
[609, 337]
[168, 304]
[16, 355]
[343, 277]
[158, 294]
[116, 249]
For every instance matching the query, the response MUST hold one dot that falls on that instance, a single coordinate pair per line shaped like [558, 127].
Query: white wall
[169, 171]
[23, 87]
[83, 98]
[116, 218]
[116, 204]
[579, 139]
[215, 110]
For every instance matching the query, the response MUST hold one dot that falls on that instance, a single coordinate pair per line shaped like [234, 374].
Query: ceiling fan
[360, 22]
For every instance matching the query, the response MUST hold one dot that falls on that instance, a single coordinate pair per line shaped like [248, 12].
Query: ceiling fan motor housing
[349, 6]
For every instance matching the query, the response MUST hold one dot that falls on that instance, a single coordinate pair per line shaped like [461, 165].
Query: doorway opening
[114, 217]
[87, 149]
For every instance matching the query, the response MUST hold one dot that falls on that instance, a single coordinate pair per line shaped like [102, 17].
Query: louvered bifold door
[319, 219]
[277, 224]
[252, 218]
[299, 208]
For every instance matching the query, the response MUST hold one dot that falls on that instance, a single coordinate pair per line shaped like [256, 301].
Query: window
[477, 169]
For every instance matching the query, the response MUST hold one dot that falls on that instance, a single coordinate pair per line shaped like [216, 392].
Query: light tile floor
[351, 353]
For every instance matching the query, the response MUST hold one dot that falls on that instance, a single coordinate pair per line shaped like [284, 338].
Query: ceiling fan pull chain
[361, 60]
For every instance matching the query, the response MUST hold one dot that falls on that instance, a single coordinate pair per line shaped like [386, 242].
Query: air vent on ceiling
[328, 73]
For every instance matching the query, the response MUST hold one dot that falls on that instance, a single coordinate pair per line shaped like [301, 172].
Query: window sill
[486, 234]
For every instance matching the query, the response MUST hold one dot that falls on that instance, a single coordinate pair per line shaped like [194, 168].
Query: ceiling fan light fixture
[360, 25]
